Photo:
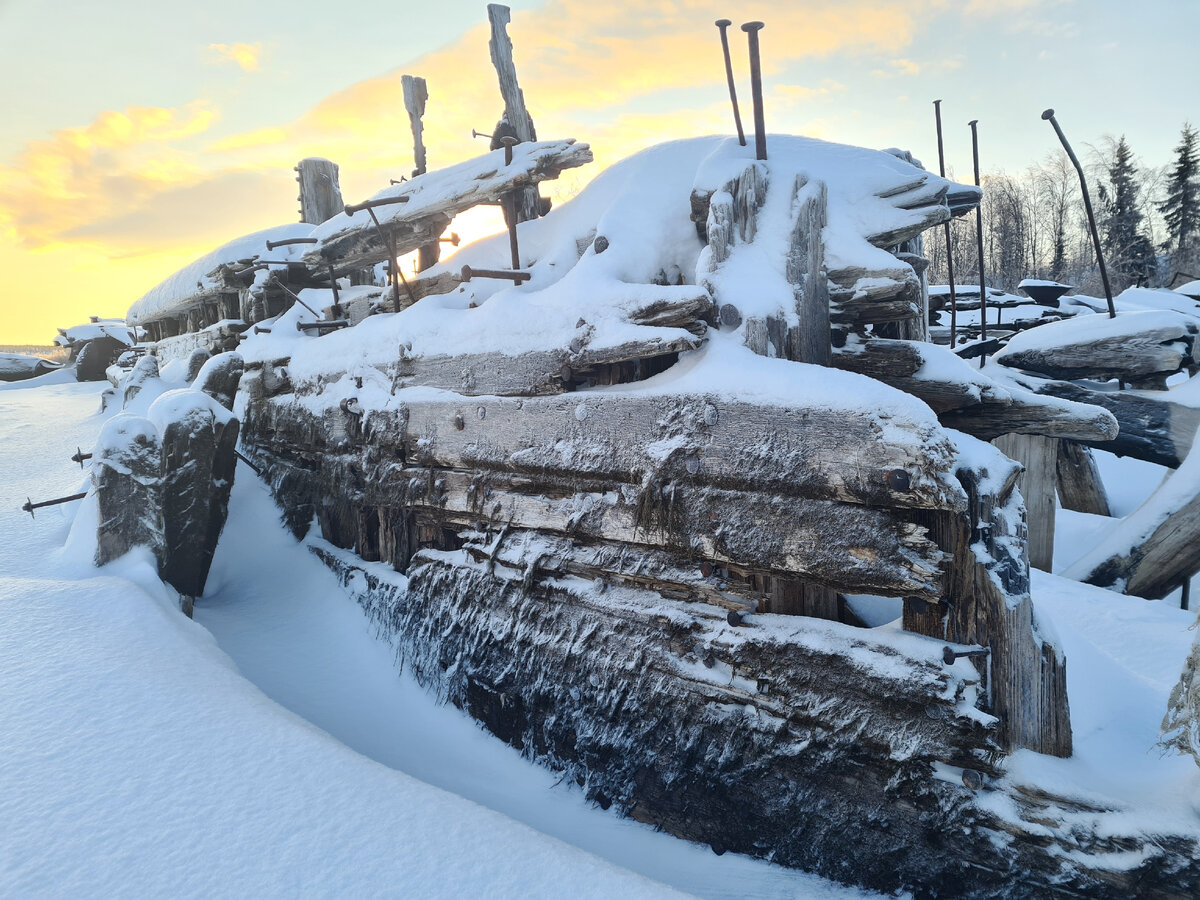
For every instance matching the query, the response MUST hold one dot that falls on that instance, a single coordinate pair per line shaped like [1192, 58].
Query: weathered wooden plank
[1160, 345]
[819, 453]
[359, 243]
[1039, 457]
[987, 602]
[861, 297]
[969, 401]
[806, 271]
[527, 374]
[1080, 487]
[1152, 427]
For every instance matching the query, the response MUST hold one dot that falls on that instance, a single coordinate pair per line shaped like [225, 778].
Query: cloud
[246, 56]
[105, 168]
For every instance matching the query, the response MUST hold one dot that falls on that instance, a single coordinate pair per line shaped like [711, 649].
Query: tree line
[1034, 224]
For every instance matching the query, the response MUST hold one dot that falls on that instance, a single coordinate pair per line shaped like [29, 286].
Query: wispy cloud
[105, 168]
[246, 56]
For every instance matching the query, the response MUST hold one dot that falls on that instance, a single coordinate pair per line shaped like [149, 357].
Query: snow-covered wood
[424, 206]
[1133, 346]
[127, 481]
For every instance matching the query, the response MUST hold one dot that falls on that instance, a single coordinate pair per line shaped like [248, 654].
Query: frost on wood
[1181, 724]
[164, 481]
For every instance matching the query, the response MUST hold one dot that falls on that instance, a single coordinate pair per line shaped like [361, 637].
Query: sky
[139, 135]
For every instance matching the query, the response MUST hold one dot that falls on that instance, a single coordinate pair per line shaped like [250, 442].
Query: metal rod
[80, 456]
[454, 239]
[30, 506]
[760, 128]
[723, 25]
[271, 245]
[979, 242]
[937, 112]
[330, 324]
[949, 654]
[1048, 115]
[468, 273]
[352, 208]
[253, 468]
[295, 296]
[394, 266]
[511, 205]
[333, 286]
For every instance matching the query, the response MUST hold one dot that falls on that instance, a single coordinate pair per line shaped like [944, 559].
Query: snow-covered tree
[1181, 208]
[1129, 251]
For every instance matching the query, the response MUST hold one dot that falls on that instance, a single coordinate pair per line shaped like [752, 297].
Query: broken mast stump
[1039, 456]
[127, 479]
[416, 93]
[527, 202]
[320, 193]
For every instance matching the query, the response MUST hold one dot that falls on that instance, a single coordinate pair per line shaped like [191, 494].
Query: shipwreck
[624, 482]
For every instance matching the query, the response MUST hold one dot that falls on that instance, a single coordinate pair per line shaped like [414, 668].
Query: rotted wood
[1080, 487]
[416, 93]
[528, 202]
[861, 297]
[127, 480]
[841, 546]
[361, 245]
[823, 454]
[987, 602]
[971, 402]
[320, 193]
[1152, 427]
[596, 683]
[1155, 549]
[1039, 457]
[534, 373]
[806, 272]
[1152, 353]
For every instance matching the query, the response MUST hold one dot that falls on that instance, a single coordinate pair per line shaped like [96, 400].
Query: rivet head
[899, 480]
[972, 780]
[734, 618]
[710, 415]
[458, 422]
[581, 412]
[706, 568]
[600, 244]
[692, 465]
[482, 411]
[730, 315]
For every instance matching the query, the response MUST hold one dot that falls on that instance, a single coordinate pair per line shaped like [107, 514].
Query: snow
[176, 291]
[141, 759]
[89, 331]
[1191, 289]
[1090, 329]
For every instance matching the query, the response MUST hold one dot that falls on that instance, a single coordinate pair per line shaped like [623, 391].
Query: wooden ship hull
[614, 511]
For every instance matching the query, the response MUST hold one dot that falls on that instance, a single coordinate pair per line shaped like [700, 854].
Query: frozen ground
[141, 757]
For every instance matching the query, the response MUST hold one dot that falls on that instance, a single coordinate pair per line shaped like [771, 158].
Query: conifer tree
[1181, 209]
[1130, 252]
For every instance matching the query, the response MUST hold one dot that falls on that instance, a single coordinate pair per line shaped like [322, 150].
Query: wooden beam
[806, 272]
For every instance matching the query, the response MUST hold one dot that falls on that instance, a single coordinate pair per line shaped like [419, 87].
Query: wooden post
[528, 205]
[320, 193]
[1039, 456]
[807, 275]
[415, 95]
[1080, 487]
